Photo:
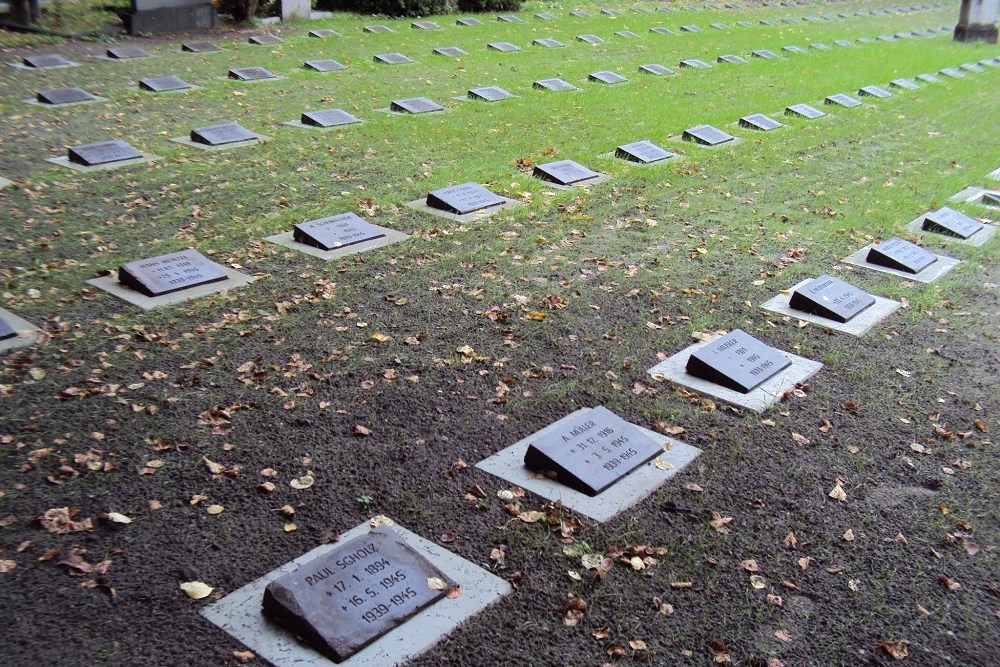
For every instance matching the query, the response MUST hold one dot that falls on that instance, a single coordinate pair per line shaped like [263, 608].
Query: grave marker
[690, 28]
[350, 596]
[840, 99]
[592, 452]
[468, 22]
[655, 69]
[758, 121]
[706, 135]
[378, 29]
[6, 330]
[323, 34]
[336, 231]
[489, 94]
[644, 152]
[627, 34]
[251, 74]
[564, 172]
[720, 26]
[328, 118]
[589, 39]
[548, 43]
[450, 51]
[545, 16]
[611, 12]
[928, 78]
[265, 40]
[606, 77]
[769, 22]
[737, 361]
[895, 253]
[729, 58]
[160, 84]
[865, 40]
[973, 67]
[904, 84]
[46, 60]
[793, 49]
[830, 298]
[819, 46]
[103, 152]
[765, 54]
[950, 222]
[173, 272]
[662, 31]
[127, 52]
[744, 24]
[579, 14]
[504, 47]
[463, 199]
[200, 47]
[874, 91]
[555, 85]
[509, 18]
[324, 65]
[842, 42]
[414, 105]
[694, 63]
[425, 25]
[392, 58]
[56, 96]
[221, 134]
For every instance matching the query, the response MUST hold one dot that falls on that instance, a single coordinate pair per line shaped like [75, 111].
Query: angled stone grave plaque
[505, 47]
[415, 105]
[865, 40]
[46, 61]
[6, 330]
[903, 84]
[165, 274]
[545, 16]
[694, 63]
[462, 199]
[16, 331]
[200, 47]
[989, 198]
[736, 361]
[102, 153]
[328, 118]
[886, 38]
[927, 78]
[392, 59]
[265, 40]
[950, 222]
[655, 69]
[555, 85]
[765, 54]
[842, 42]
[425, 25]
[830, 298]
[489, 94]
[57, 96]
[565, 172]
[973, 67]
[734, 60]
[790, 21]
[251, 74]
[222, 134]
[323, 34]
[643, 152]
[378, 29]
[904, 35]
[579, 14]
[706, 135]
[793, 49]
[665, 8]
[842, 100]
[162, 84]
[337, 231]
[720, 26]
[509, 18]
[690, 28]
[606, 77]
[662, 31]
[468, 22]
[990, 62]
[640, 10]
[769, 22]
[450, 51]
[589, 39]
[345, 599]
[627, 34]
[548, 43]
[612, 12]
[592, 452]
[874, 91]
[744, 24]
[758, 121]
[895, 253]
[819, 46]
[326, 65]
[126, 52]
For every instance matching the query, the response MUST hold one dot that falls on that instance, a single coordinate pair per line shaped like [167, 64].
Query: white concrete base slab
[421, 205]
[5, 182]
[735, 140]
[34, 101]
[299, 124]
[508, 464]
[41, 69]
[942, 266]
[858, 325]
[978, 239]
[758, 400]
[248, 81]
[111, 285]
[601, 178]
[64, 161]
[973, 194]
[390, 111]
[287, 239]
[678, 157]
[27, 333]
[137, 89]
[239, 613]
[186, 141]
